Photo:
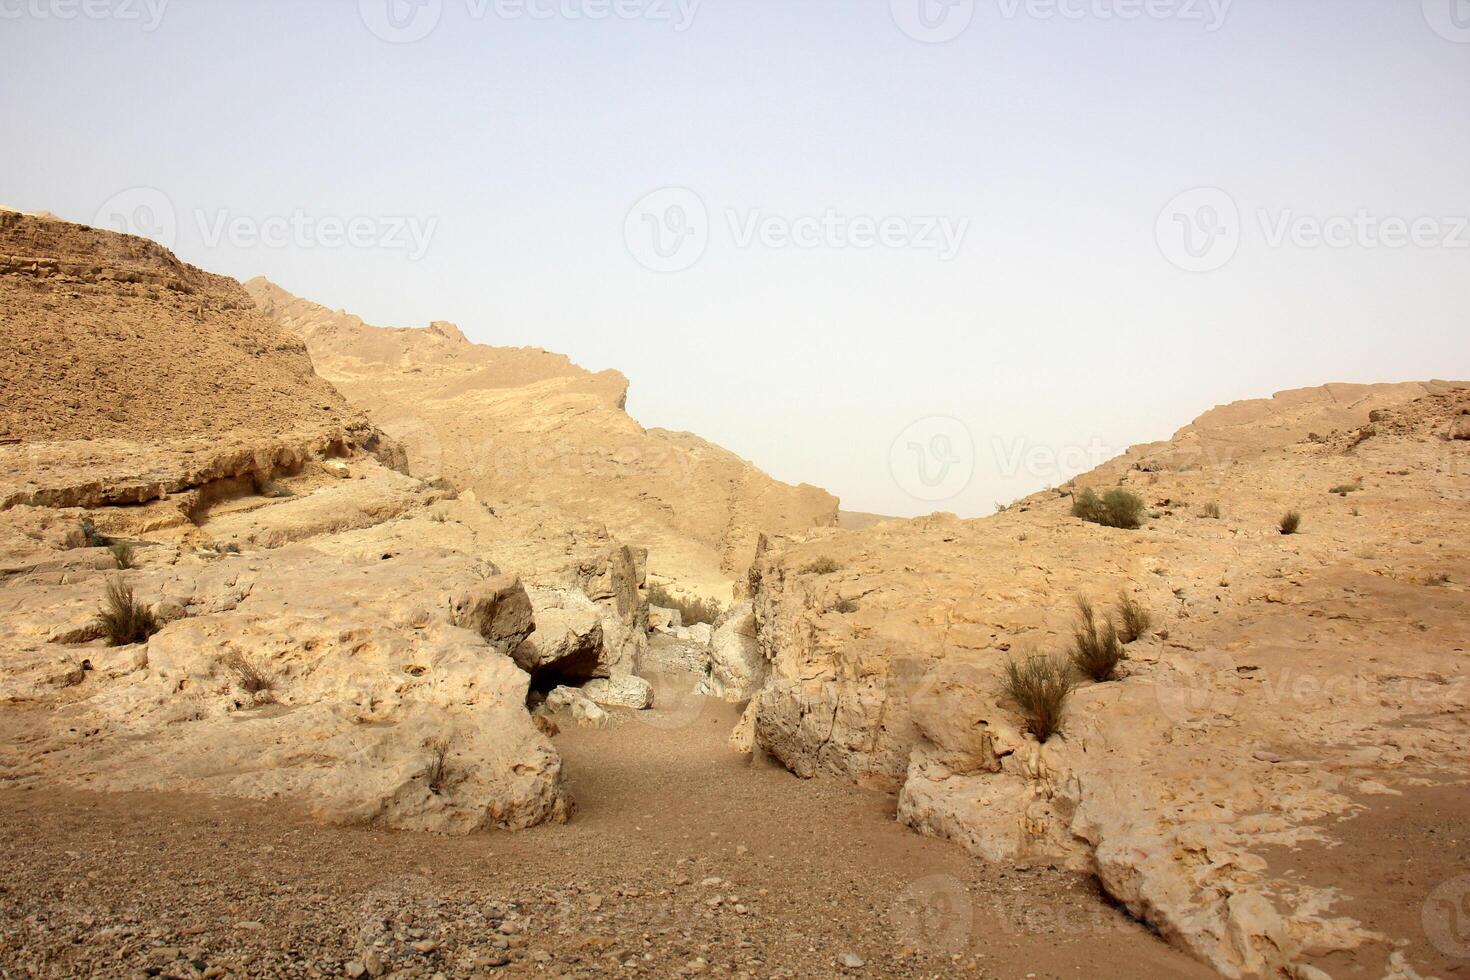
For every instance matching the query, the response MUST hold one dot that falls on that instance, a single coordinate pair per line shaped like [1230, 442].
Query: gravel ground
[684, 859]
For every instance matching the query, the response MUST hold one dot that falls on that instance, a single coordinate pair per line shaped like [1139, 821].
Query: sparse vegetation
[846, 606]
[691, 610]
[1437, 580]
[438, 516]
[1040, 687]
[1211, 510]
[1135, 619]
[1116, 508]
[1290, 522]
[123, 619]
[250, 678]
[825, 565]
[122, 553]
[438, 767]
[230, 548]
[1096, 650]
[93, 537]
[1343, 489]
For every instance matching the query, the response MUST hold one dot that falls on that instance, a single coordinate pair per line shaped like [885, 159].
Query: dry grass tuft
[122, 553]
[252, 679]
[1096, 651]
[825, 565]
[1290, 522]
[1211, 510]
[123, 619]
[438, 767]
[1040, 687]
[1135, 618]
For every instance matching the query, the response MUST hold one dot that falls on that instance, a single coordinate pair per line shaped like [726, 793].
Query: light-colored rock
[737, 667]
[1159, 784]
[624, 691]
[698, 633]
[663, 619]
[576, 705]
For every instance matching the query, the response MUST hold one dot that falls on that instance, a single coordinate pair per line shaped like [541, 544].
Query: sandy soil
[683, 859]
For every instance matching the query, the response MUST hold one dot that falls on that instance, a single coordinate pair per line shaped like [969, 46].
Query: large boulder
[737, 668]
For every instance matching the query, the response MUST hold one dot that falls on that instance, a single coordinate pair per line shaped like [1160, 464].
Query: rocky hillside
[129, 373]
[216, 577]
[1294, 697]
[520, 425]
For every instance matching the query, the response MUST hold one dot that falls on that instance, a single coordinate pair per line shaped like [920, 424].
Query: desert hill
[1294, 695]
[520, 424]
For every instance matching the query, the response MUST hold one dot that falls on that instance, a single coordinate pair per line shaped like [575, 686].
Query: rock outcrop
[1290, 681]
[518, 424]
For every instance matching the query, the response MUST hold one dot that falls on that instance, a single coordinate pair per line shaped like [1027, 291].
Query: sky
[927, 254]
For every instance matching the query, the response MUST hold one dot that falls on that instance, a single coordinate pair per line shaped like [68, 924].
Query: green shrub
[1135, 618]
[1040, 687]
[1290, 522]
[93, 537]
[691, 610]
[1096, 651]
[123, 619]
[1116, 508]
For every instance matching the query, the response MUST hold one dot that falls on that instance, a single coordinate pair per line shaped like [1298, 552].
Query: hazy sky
[928, 255]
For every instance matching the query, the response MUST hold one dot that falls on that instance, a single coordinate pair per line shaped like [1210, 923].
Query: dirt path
[683, 859]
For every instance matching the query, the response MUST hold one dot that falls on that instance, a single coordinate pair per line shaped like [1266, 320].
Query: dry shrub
[1040, 687]
[1116, 508]
[122, 553]
[1135, 618]
[438, 764]
[1211, 510]
[252, 679]
[123, 619]
[691, 611]
[1096, 651]
[825, 565]
[1290, 522]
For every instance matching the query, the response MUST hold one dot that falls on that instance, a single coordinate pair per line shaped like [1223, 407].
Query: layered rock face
[517, 424]
[129, 374]
[1289, 683]
[314, 625]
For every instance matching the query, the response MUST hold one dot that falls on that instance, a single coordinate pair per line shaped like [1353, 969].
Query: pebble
[851, 961]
